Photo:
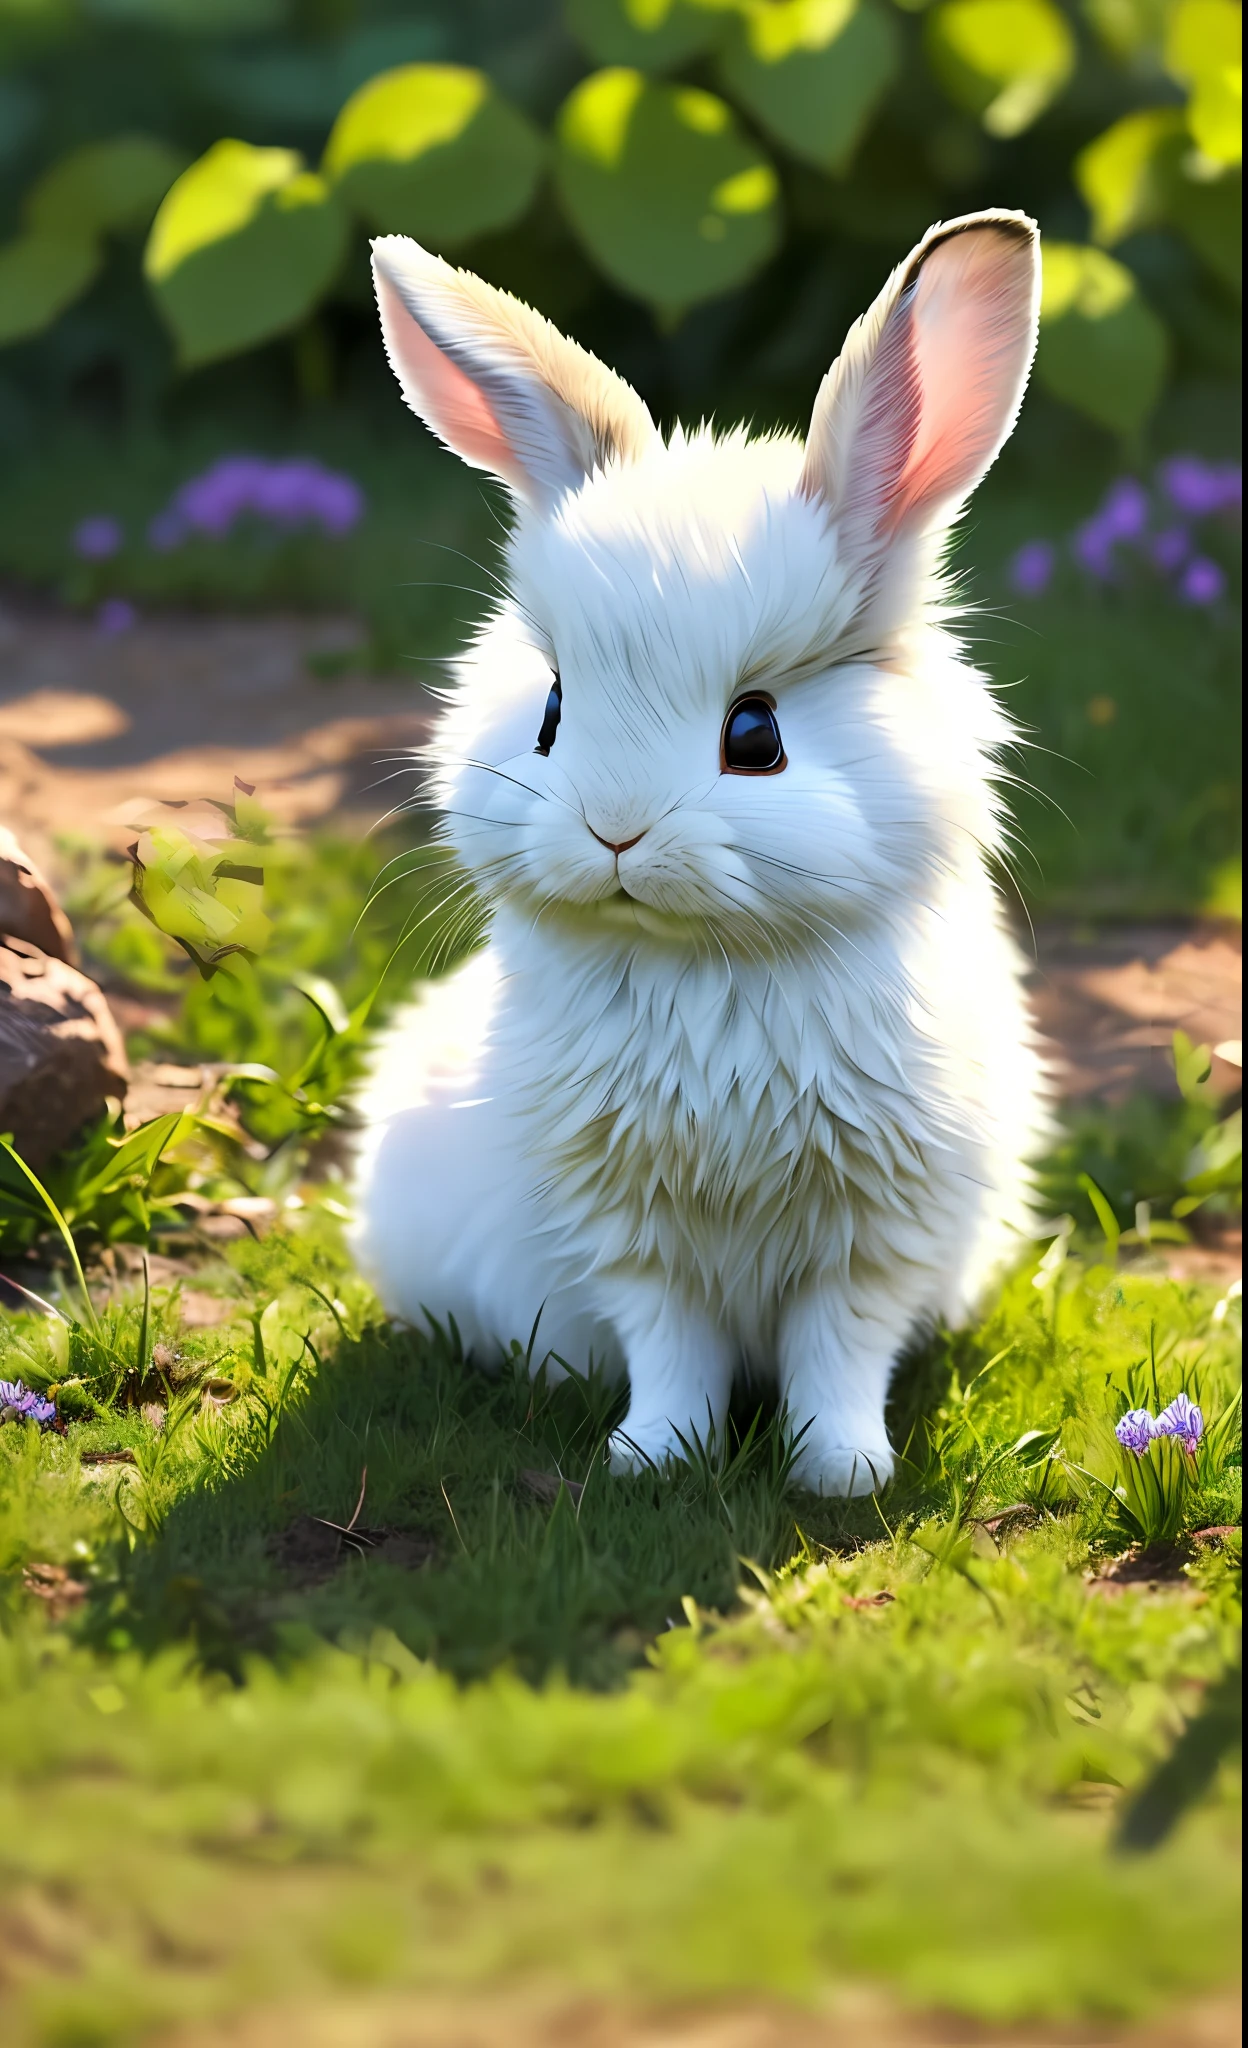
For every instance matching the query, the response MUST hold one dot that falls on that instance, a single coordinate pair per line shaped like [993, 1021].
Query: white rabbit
[744, 1077]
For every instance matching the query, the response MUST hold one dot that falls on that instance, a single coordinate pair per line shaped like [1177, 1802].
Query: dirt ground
[94, 729]
[855, 2021]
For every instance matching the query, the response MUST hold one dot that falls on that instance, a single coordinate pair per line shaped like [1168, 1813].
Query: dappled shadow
[402, 1489]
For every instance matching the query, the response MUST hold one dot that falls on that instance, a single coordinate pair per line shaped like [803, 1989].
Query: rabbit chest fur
[744, 1075]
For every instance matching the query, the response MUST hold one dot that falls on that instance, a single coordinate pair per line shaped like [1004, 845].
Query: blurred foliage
[530, 1730]
[671, 151]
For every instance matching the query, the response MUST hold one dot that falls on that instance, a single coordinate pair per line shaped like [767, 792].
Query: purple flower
[1093, 548]
[1202, 582]
[1182, 1419]
[116, 615]
[94, 540]
[1169, 549]
[1124, 510]
[1031, 570]
[31, 1407]
[340, 503]
[212, 502]
[1199, 488]
[296, 492]
[1136, 1430]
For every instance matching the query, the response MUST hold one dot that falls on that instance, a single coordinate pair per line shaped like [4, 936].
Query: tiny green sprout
[206, 893]
[1193, 1065]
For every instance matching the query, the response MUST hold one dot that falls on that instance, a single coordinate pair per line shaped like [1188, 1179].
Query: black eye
[550, 718]
[752, 743]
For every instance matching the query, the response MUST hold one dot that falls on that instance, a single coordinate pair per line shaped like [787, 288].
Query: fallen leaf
[52, 1584]
[993, 1524]
[546, 1486]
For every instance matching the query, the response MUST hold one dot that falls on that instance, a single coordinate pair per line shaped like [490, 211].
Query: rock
[61, 1054]
[28, 909]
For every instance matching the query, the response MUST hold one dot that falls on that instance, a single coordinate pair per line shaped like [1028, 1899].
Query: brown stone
[61, 1054]
[28, 909]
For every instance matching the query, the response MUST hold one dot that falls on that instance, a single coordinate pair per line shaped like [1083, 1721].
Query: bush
[767, 155]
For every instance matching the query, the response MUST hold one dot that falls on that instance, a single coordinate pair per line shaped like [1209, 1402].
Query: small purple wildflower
[1093, 548]
[31, 1407]
[96, 539]
[212, 502]
[1124, 510]
[115, 616]
[1182, 1419]
[1200, 488]
[1031, 570]
[340, 503]
[1169, 549]
[1131, 521]
[1136, 1430]
[297, 492]
[1202, 582]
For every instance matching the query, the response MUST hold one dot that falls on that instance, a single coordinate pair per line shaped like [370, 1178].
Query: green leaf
[324, 997]
[1129, 28]
[1102, 349]
[243, 246]
[1204, 49]
[40, 275]
[1143, 172]
[1193, 1064]
[136, 1157]
[1122, 174]
[1034, 1446]
[1004, 60]
[1216, 1165]
[669, 197]
[432, 150]
[655, 35]
[813, 72]
[1104, 1215]
[1210, 214]
[103, 187]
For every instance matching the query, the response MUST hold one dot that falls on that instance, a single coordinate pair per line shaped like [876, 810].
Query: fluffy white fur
[758, 1090]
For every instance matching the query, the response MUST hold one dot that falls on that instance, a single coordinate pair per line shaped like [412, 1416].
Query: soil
[93, 728]
[309, 1551]
[857, 2020]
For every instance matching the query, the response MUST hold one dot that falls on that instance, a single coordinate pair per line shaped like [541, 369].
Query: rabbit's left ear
[496, 382]
[929, 382]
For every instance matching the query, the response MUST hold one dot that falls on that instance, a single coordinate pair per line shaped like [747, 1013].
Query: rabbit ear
[929, 382]
[496, 382]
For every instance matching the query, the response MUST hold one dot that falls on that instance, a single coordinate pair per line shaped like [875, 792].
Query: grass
[682, 1734]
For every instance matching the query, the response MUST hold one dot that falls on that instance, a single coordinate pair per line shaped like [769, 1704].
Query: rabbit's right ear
[928, 385]
[496, 382]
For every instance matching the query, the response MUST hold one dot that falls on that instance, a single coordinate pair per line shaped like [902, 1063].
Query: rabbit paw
[843, 1470]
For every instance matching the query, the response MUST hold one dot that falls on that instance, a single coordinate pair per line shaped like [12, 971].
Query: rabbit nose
[623, 845]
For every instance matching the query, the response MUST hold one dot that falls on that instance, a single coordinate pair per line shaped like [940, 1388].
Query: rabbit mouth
[630, 918]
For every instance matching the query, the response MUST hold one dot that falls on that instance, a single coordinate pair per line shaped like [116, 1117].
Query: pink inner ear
[442, 393]
[971, 334]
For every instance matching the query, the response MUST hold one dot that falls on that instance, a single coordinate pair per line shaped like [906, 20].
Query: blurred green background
[705, 192]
